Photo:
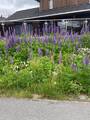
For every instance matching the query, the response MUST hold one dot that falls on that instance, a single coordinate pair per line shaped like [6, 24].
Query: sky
[8, 7]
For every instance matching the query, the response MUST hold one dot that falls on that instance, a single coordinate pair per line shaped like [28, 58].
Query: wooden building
[52, 11]
[54, 4]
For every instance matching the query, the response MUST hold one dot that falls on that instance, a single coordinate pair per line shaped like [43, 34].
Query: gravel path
[19, 109]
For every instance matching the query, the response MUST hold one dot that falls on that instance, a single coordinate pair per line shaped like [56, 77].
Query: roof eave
[50, 15]
[38, 0]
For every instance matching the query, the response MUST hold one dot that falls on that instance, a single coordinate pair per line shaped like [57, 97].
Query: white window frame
[50, 4]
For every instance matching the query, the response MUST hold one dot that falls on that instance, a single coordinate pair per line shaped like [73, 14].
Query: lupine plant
[53, 63]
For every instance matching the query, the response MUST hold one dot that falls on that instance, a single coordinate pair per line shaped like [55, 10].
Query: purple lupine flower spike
[54, 39]
[74, 67]
[79, 38]
[72, 37]
[43, 39]
[76, 47]
[82, 31]
[30, 40]
[18, 40]
[40, 51]
[46, 39]
[75, 36]
[86, 60]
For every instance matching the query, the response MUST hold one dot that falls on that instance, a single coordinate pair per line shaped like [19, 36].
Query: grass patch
[16, 93]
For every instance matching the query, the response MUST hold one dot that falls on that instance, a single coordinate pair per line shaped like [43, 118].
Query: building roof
[38, 0]
[35, 13]
[2, 19]
[24, 14]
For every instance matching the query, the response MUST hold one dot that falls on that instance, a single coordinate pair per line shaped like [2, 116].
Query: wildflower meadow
[53, 64]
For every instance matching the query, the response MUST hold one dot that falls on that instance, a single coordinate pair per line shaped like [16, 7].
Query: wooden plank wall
[44, 4]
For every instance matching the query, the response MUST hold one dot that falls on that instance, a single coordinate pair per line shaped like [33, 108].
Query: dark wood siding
[44, 4]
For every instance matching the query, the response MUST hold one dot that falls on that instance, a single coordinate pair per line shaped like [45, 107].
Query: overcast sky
[8, 7]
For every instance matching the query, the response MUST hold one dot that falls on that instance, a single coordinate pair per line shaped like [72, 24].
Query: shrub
[86, 41]
[41, 69]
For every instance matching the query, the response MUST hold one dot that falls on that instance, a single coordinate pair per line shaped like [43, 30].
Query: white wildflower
[54, 73]
[55, 83]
